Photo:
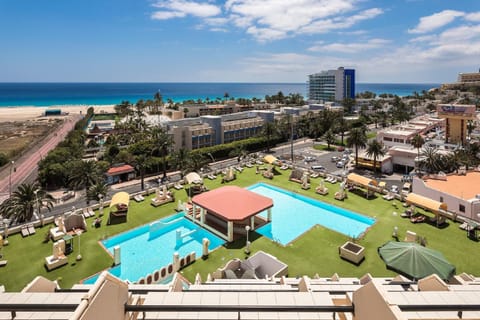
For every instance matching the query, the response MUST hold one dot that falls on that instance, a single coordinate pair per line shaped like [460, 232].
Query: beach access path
[28, 162]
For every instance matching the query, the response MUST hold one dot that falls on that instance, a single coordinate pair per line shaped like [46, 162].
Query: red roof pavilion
[233, 203]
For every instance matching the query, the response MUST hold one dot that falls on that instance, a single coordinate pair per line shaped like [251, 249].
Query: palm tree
[269, 131]
[417, 142]
[24, 201]
[162, 143]
[99, 188]
[84, 174]
[375, 149]
[329, 137]
[141, 163]
[358, 139]
[432, 159]
[181, 158]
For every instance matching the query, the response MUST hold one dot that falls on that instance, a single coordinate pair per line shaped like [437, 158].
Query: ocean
[62, 94]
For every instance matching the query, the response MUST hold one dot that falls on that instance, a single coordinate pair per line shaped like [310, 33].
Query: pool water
[150, 247]
[294, 214]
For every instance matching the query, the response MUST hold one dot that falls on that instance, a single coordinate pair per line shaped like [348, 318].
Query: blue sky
[237, 40]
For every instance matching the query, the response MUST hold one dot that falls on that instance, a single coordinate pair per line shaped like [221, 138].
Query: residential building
[456, 119]
[331, 85]
[365, 298]
[458, 191]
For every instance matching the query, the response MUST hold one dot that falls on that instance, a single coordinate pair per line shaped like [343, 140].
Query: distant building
[457, 117]
[331, 85]
[469, 77]
[210, 130]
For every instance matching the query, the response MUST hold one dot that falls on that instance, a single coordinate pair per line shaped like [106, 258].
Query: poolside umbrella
[415, 261]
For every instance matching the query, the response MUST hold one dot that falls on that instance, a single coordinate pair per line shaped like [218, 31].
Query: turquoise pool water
[293, 214]
[146, 249]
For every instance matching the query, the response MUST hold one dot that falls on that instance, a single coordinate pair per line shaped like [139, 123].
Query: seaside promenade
[27, 163]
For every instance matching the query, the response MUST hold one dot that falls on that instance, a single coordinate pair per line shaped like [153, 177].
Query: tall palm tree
[417, 142]
[99, 188]
[432, 159]
[358, 139]
[375, 149]
[181, 158]
[162, 144]
[141, 163]
[27, 198]
[269, 130]
[84, 174]
[329, 137]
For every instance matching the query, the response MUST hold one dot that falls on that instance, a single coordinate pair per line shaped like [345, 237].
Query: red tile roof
[233, 203]
[119, 170]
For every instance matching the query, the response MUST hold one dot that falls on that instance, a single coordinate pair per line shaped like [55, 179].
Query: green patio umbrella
[415, 261]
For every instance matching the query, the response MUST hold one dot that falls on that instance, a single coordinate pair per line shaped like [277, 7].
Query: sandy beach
[29, 112]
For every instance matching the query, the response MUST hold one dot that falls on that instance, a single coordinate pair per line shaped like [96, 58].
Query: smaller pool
[150, 247]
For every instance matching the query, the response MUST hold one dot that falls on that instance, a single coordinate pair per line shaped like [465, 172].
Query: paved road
[29, 161]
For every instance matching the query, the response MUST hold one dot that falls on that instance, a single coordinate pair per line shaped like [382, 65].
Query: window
[387, 139]
[461, 208]
[441, 199]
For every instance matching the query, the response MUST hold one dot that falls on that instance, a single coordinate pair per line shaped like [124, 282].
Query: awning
[425, 203]
[361, 180]
[270, 159]
[194, 178]
[120, 198]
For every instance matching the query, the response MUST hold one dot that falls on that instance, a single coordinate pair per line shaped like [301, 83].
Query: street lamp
[100, 210]
[10, 177]
[79, 256]
[247, 245]
[209, 154]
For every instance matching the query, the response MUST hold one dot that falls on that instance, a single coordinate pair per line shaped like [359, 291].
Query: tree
[375, 150]
[432, 159]
[181, 158]
[329, 137]
[269, 130]
[83, 175]
[99, 188]
[417, 142]
[357, 139]
[24, 201]
[162, 142]
[348, 104]
[141, 164]
[185, 112]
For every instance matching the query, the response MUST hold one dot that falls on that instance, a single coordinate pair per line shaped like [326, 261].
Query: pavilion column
[269, 215]
[252, 223]
[230, 231]
[194, 210]
[202, 216]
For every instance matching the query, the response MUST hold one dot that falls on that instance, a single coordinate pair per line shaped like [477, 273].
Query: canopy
[425, 203]
[270, 159]
[361, 180]
[415, 261]
[120, 198]
[194, 178]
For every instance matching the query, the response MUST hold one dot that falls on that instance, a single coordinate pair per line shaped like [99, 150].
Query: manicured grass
[314, 252]
[324, 147]
[371, 134]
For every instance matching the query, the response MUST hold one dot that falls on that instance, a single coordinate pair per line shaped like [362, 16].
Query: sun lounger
[25, 232]
[463, 226]
[284, 167]
[315, 175]
[3, 263]
[178, 186]
[90, 212]
[212, 177]
[138, 198]
[31, 229]
[249, 165]
[388, 197]
[85, 213]
[418, 219]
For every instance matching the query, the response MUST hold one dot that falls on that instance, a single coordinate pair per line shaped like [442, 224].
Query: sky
[385, 41]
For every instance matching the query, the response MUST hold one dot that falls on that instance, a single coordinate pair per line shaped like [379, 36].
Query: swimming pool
[293, 214]
[152, 246]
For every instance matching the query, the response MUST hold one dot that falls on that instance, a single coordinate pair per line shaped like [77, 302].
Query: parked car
[394, 188]
[318, 167]
[340, 164]
[335, 159]
[310, 159]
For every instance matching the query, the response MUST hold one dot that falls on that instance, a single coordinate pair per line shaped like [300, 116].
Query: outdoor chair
[25, 232]
[31, 229]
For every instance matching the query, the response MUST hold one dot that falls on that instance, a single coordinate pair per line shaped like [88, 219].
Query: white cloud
[350, 47]
[180, 8]
[276, 19]
[474, 16]
[436, 20]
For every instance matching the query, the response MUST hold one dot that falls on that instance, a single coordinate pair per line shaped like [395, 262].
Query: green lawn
[314, 252]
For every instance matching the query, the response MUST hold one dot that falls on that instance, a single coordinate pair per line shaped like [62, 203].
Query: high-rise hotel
[331, 85]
